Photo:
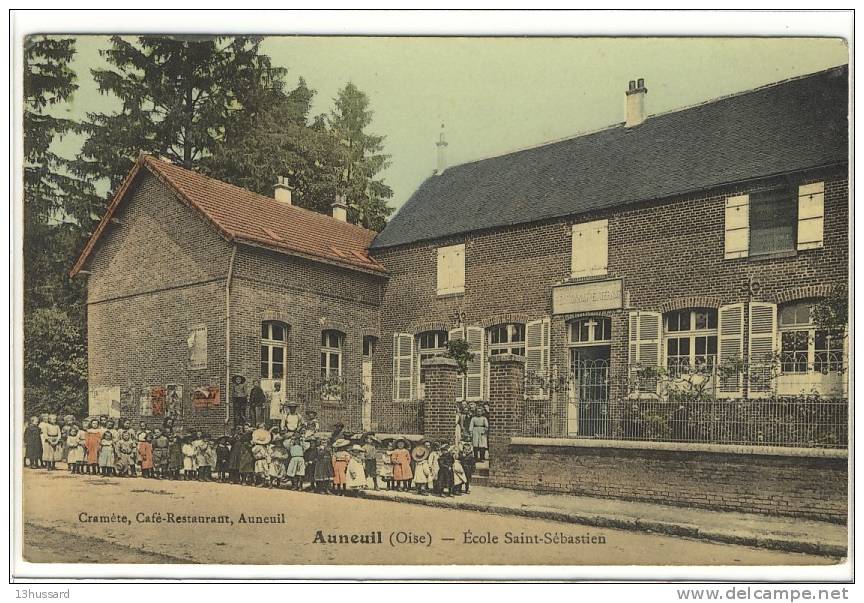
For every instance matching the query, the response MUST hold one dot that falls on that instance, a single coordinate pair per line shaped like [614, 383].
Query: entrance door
[587, 407]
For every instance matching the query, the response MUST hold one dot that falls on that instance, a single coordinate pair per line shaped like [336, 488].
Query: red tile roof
[247, 217]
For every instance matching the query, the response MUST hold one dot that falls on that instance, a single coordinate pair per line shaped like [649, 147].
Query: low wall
[796, 482]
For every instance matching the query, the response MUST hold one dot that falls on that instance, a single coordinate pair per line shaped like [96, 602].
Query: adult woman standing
[479, 428]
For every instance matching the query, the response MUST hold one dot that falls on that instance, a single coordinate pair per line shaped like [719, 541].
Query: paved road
[58, 506]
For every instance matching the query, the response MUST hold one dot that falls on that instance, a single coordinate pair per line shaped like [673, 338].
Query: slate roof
[785, 127]
[246, 217]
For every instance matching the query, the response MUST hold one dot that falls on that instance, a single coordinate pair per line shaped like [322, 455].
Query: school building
[656, 280]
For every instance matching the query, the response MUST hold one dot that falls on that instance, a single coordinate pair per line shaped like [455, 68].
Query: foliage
[457, 349]
[832, 312]
[280, 143]
[181, 96]
[55, 363]
[362, 159]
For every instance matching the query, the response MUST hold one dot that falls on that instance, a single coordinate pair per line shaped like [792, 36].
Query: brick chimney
[281, 191]
[340, 208]
[635, 103]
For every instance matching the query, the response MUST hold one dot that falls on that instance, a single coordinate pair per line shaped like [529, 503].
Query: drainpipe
[228, 334]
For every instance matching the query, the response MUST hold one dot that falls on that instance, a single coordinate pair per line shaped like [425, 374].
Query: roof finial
[442, 152]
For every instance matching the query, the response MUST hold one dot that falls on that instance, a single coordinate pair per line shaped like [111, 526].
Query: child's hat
[261, 436]
[341, 443]
[142, 437]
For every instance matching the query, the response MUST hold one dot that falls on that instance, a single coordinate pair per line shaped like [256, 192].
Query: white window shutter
[761, 347]
[403, 366]
[645, 336]
[590, 248]
[537, 335]
[737, 226]
[474, 378]
[453, 335]
[730, 346]
[451, 269]
[811, 215]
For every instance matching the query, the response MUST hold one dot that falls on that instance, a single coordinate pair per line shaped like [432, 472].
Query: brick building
[185, 272]
[618, 264]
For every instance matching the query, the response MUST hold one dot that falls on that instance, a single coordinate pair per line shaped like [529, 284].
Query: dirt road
[86, 519]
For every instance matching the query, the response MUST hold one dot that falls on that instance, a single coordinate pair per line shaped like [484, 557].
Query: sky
[496, 95]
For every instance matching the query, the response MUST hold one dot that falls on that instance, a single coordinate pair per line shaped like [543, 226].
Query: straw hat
[420, 452]
[261, 436]
[341, 443]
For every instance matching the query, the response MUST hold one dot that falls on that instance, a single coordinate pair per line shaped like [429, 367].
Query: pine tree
[181, 96]
[283, 142]
[362, 159]
[56, 220]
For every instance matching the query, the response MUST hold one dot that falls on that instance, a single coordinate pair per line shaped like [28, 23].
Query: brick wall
[442, 384]
[668, 253]
[775, 485]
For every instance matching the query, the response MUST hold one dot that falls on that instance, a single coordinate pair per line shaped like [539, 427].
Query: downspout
[228, 333]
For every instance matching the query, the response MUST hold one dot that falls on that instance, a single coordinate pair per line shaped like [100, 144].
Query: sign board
[587, 297]
[197, 344]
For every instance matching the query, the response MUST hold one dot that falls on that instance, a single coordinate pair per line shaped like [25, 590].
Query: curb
[687, 530]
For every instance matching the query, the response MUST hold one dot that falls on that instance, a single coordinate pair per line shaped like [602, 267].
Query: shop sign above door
[587, 297]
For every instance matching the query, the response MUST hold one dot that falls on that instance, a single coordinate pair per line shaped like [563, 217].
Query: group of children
[278, 457]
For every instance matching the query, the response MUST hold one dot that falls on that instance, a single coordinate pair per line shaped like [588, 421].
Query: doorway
[587, 406]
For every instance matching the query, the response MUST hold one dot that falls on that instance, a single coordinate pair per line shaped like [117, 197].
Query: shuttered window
[644, 349]
[403, 364]
[761, 347]
[737, 225]
[537, 336]
[811, 215]
[773, 220]
[731, 347]
[451, 270]
[474, 378]
[590, 254]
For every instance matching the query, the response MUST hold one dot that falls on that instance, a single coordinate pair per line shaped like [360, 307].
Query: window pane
[323, 360]
[265, 330]
[773, 220]
[701, 345]
[334, 362]
[712, 345]
[265, 353]
[583, 330]
[278, 332]
[795, 314]
[264, 371]
[519, 351]
[672, 347]
[604, 330]
[684, 346]
[278, 354]
[278, 370]
[701, 321]
[518, 332]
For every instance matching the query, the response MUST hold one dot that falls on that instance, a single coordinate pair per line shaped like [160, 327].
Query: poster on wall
[144, 407]
[197, 343]
[127, 401]
[104, 401]
[206, 396]
[157, 401]
[173, 401]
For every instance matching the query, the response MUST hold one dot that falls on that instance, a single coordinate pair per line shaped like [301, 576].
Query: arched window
[331, 353]
[591, 331]
[274, 342]
[802, 345]
[507, 339]
[429, 345]
[691, 340]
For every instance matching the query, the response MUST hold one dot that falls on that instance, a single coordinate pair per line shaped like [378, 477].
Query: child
[478, 428]
[401, 461]
[278, 456]
[297, 464]
[385, 466]
[190, 467]
[161, 445]
[340, 465]
[107, 455]
[434, 455]
[468, 460]
[145, 454]
[459, 477]
[75, 450]
[206, 458]
[200, 454]
[355, 475]
[246, 460]
[311, 425]
[33, 443]
[310, 457]
[423, 471]
[125, 449]
[223, 453]
[322, 475]
[175, 456]
[261, 438]
[51, 447]
[444, 480]
[92, 440]
[370, 458]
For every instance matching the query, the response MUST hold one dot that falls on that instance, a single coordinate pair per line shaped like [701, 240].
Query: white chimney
[635, 98]
[442, 152]
[340, 208]
[281, 191]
